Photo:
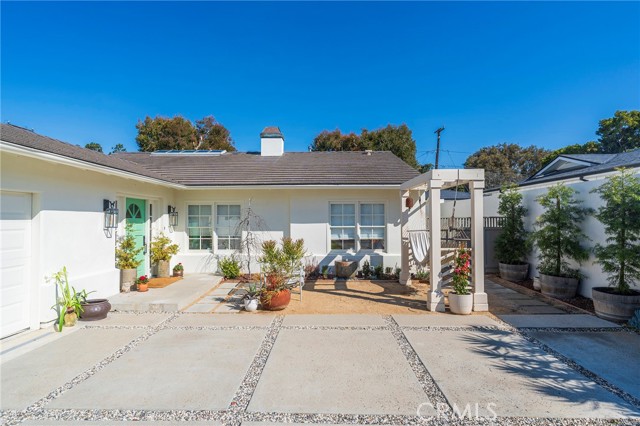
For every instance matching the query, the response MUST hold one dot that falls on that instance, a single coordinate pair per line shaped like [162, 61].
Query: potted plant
[558, 238]
[460, 299]
[251, 299]
[68, 301]
[512, 245]
[279, 265]
[366, 270]
[620, 257]
[422, 276]
[325, 271]
[161, 253]
[93, 309]
[377, 271]
[127, 259]
[178, 270]
[142, 283]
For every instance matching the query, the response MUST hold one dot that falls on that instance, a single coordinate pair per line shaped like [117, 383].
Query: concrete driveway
[204, 369]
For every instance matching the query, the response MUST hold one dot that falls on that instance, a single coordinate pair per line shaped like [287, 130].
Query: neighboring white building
[344, 205]
[583, 172]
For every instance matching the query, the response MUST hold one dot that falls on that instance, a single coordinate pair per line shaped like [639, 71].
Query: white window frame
[215, 248]
[357, 247]
[199, 203]
[355, 225]
[383, 226]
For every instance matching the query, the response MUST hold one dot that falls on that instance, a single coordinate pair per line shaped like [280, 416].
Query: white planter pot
[251, 305]
[536, 283]
[461, 304]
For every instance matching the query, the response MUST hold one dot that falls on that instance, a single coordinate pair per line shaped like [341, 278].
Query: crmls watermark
[469, 411]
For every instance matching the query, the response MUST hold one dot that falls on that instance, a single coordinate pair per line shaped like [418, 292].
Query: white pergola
[433, 182]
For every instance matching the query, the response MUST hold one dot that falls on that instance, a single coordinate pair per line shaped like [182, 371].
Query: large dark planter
[614, 306]
[345, 269]
[558, 287]
[514, 272]
[277, 302]
[95, 309]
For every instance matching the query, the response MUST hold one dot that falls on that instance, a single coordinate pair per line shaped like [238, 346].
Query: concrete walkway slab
[520, 380]
[334, 320]
[227, 286]
[445, 320]
[546, 309]
[557, 321]
[174, 369]
[35, 374]
[201, 307]
[614, 356]
[335, 371]
[242, 320]
[172, 298]
[150, 319]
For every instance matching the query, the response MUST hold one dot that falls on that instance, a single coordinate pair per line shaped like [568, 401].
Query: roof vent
[271, 142]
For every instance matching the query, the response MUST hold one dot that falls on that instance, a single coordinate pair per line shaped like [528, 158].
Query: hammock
[419, 245]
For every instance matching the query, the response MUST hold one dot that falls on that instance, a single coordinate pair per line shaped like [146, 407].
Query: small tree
[512, 245]
[558, 234]
[126, 252]
[620, 215]
[250, 228]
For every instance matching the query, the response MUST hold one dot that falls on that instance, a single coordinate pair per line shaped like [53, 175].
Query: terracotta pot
[143, 287]
[513, 272]
[162, 269]
[277, 301]
[345, 269]
[558, 287]
[127, 279]
[95, 309]
[614, 306]
[461, 304]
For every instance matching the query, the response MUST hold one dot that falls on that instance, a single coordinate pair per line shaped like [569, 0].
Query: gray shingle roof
[233, 169]
[26, 138]
[602, 163]
[292, 168]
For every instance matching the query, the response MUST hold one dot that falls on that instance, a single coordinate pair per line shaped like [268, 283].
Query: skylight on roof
[190, 152]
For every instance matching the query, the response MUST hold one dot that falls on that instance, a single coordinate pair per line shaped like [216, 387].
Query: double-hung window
[227, 232]
[199, 227]
[343, 226]
[372, 226]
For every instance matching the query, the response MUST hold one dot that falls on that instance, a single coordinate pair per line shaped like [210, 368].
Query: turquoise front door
[136, 217]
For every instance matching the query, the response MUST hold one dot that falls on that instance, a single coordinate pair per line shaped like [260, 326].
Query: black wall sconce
[110, 209]
[173, 216]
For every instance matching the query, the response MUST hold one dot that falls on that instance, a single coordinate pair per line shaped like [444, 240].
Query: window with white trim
[199, 227]
[227, 232]
[372, 226]
[343, 226]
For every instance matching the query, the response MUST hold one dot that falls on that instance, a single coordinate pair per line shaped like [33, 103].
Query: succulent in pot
[461, 299]
[512, 245]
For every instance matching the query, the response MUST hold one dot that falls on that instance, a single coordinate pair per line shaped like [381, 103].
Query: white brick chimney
[271, 142]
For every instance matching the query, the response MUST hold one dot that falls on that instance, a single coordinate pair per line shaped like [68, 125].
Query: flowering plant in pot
[513, 244]
[279, 265]
[161, 253]
[620, 257]
[460, 299]
[178, 270]
[558, 238]
[142, 283]
[68, 301]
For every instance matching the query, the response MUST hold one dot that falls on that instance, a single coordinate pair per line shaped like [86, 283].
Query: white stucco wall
[67, 225]
[591, 226]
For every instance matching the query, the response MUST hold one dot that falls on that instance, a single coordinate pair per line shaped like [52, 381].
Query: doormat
[162, 282]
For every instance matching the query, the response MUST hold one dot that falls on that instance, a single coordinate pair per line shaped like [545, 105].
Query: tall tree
[397, 139]
[94, 146]
[620, 133]
[118, 148]
[506, 163]
[213, 135]
[166, 133]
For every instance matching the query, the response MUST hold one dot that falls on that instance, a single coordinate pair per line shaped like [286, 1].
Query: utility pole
[438, 146]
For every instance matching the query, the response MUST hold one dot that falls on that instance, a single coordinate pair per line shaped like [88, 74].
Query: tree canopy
[397, 139]
[94, 146]
[118, 148]
[179, 133]
[506, 163]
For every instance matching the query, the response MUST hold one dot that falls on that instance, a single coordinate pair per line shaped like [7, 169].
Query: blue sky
[527, 73]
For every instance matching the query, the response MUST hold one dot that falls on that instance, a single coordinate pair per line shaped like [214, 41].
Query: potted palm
[620, 257]
[68, 302]
[558, 238]
[461, 299]
[161, 253]
[512, 245]
[279, 265]
[127, 259]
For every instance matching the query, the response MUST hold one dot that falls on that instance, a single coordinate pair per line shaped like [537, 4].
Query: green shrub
[512, 245]
[378, 271]
[229, 267]
[162, 249]
[366, 270]
[126, 251]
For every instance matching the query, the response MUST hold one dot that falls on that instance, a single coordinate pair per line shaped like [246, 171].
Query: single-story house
[54, 195]
[583, 172]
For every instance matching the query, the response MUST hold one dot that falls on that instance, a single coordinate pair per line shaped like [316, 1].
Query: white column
[435, 298]
[480, 302]
[405, 273]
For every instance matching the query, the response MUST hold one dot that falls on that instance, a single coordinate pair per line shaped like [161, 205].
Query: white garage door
[15, 252]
